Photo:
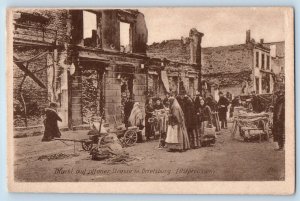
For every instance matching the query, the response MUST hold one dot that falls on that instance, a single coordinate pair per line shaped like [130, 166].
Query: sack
[172, 134]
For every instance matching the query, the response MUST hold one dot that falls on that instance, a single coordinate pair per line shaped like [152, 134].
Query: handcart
[252, 125]
[95, 137]
[128, 137]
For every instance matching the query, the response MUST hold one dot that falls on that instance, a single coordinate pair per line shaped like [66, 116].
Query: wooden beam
[29, 73]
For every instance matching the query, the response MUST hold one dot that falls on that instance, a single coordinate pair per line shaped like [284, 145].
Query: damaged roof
[215, 60]
[175, 50]
[227, 59]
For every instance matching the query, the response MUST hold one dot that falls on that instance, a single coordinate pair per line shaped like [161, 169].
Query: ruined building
[88, 61]
[237, 69]
[277, 53]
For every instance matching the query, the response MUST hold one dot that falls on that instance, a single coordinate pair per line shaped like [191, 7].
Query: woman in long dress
[177, 137]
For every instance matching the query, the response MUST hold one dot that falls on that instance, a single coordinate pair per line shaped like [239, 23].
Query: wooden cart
[252, 125]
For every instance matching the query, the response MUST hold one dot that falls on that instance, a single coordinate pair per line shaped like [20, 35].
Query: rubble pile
[110, 148]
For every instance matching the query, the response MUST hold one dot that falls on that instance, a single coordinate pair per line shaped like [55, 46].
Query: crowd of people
[182, 119]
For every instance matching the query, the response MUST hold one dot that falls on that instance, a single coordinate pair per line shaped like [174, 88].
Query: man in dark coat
[279, 121]
[190, 118]
[50, 123]
[222, 105]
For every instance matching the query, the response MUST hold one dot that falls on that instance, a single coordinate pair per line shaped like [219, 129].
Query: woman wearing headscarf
[50, 123]
[158, 105]
[177, 137]
[204, 113]
[149, 113]
[205, 119]
[136, 117]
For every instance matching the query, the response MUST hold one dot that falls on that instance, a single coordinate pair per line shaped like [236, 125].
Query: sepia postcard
[166, 100]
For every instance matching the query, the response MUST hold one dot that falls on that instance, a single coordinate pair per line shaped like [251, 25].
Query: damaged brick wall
[225, 66]
[45, 27]
[35, 97]
[175, 50]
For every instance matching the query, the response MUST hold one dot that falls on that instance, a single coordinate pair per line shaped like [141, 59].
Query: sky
[221, 26]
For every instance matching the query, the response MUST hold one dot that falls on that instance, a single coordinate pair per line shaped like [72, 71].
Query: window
[89, 24]
[125, 37]
[262, 61]
[257, 85]
[268, 62]
[90, 35]
[257, 59]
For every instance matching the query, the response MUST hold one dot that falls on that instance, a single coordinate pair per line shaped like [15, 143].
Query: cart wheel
[87, 146]
[130, 137]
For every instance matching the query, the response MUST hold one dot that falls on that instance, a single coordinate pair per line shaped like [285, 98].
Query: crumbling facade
[77, 59]
[179, 76]
[237, 69]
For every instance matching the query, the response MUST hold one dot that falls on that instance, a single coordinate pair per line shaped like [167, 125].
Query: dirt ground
[228, 160]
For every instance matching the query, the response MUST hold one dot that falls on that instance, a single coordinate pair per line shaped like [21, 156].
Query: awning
[165, 80]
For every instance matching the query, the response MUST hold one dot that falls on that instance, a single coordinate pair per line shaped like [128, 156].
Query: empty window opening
[257, 59]
[257, 85]
[268, 62]
[125, 37]
[90, 29]
[263, 61]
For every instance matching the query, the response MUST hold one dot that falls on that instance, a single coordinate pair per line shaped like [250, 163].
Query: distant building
[277, 53]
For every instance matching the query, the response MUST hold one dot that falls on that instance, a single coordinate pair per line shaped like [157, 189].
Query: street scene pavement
[228, 160]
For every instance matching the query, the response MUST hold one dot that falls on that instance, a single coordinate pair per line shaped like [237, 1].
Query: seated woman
[136, 117]
[50, 123]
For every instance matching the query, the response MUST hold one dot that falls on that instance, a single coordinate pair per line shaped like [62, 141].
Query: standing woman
[177, 137]
[205, 118]
[149, 113]
[204, 113]
[50, 123]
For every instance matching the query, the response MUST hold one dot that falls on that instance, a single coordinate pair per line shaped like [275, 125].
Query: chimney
[248, 36]
[261, 41]
[195, 52]
[195, 46]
